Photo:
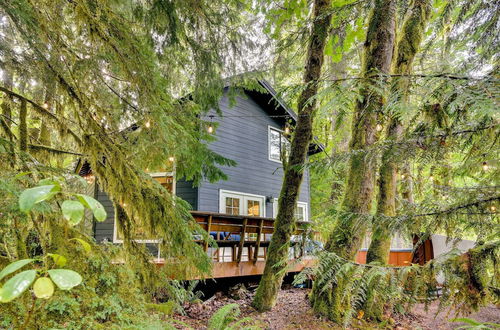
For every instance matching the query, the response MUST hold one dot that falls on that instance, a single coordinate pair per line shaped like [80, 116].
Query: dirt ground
[293, 312]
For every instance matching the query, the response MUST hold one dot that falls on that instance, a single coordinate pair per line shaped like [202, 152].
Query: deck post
[242, 240]
[257, 245]
[303, 244]
[209, 224]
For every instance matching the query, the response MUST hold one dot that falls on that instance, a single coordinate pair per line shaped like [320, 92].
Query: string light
[493, 208]
[45, 105]
[378, 127]
[210, 128]
[171, 159]
[287, 130]
[431, 178]
[485, 166]
[403, 176]
[124, 204]
[148, 124]
[89, 178]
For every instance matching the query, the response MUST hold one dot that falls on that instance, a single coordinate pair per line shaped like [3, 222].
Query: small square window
[232, 206]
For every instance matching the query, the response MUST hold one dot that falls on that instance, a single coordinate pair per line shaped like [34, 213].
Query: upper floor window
[278, 144]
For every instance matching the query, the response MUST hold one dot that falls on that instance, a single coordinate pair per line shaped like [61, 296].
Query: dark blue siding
[104, 230]
[245, 140]
[185, 190]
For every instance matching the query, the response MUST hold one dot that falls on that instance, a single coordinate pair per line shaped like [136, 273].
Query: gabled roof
[274, 105]
[277, 99]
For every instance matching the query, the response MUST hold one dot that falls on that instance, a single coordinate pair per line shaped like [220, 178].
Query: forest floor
[294, 312]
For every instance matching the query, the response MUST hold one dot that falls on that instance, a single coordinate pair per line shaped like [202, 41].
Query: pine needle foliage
[121, 72]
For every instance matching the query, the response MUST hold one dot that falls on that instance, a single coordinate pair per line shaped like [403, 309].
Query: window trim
[269, 128]
[146, 241]
[230, 193]
[304, 204]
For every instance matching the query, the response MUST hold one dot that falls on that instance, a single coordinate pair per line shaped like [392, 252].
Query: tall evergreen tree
[352, 223]
[271, 281]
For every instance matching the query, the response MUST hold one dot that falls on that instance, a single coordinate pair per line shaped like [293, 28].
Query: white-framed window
[278, 144]
[301, 213]
[167, 180]
[399, 242]
[238, 203]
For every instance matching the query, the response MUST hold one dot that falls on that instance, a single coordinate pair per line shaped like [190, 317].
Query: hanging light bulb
[431, 178]
[403, 176]
[485, 166]
[124, 204]
[147, 124]
[378, 127]
[45, 105]
[210, 128]
[493, 208]
[89, 178]
[287, 130]
[171, 159]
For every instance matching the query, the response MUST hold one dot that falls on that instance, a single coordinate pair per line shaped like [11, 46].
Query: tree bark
[277, 256]
[23, 127]
[407, 47]
[6, 120]
[352, 222]
[350, 229]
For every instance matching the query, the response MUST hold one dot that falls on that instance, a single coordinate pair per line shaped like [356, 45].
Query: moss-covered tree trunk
[386, 204]
[6, 118]
[23, 126]
[272, 278]
[407, 47]
[357, 200]
[352, 222]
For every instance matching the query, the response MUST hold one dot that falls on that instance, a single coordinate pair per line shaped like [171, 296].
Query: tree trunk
[23, 127]
[347, 235]
[351, 225]
[406, 50]
[6, 120]
[386, 205]
[277, 256]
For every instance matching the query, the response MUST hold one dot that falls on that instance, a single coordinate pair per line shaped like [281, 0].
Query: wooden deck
[242, 243]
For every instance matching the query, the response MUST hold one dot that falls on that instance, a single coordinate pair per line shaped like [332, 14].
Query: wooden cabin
[253, 132]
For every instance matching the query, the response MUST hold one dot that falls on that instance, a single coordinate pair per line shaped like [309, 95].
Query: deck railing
[244, 238]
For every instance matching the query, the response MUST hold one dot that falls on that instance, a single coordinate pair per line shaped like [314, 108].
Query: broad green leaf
[73, 211]
[94, 205]
[12, 267]
[35, 195]
[14, 287]
[86, 246]
[47, 181]
[43, 288]
[65, 279]
[58, 259]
